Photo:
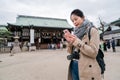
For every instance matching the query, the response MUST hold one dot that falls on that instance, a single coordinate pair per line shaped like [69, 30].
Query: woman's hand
[69, 37]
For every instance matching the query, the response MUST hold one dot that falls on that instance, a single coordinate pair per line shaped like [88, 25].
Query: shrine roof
[116, 22]
[23, 20]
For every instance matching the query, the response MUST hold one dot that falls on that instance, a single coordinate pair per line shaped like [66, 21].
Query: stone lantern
[16, 46]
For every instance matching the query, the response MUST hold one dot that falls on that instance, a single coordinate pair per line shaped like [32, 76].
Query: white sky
[107, 10]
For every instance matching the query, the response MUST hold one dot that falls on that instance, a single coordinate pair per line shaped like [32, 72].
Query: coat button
[90, 66]
[92, 78]
[85, 42]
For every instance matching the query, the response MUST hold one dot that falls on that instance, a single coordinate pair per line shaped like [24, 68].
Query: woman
[88, 68]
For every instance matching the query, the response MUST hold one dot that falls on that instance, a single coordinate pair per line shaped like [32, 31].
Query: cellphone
[66, 31]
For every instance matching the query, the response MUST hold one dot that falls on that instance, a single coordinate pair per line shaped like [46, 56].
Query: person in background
[113, 44]
[105, 45]
[83, 52]
[61, 45]
[48, 46]
[108, 44]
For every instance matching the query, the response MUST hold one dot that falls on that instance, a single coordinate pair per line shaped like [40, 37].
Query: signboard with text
[31, 35]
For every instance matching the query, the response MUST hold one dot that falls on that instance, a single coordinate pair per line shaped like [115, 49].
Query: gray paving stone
[49, 65]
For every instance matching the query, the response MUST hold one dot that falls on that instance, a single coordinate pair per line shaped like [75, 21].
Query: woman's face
[77, 20]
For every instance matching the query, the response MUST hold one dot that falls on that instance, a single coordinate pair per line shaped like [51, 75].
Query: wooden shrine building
[113, 31]
[39, 31]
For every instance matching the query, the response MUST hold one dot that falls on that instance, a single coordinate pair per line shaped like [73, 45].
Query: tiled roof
[3, 27]
[42, 22]
[116, 23]
[112, 32]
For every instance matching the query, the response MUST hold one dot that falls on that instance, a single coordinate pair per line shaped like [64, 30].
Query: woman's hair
[78, 13]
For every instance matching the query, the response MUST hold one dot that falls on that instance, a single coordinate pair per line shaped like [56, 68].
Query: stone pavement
[49, 65]
[112, 60]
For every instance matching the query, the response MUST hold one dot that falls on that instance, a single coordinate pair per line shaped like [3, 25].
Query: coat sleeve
[69, 48]
[90, 49]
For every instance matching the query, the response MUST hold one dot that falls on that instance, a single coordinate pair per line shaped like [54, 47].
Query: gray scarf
[81, 31]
